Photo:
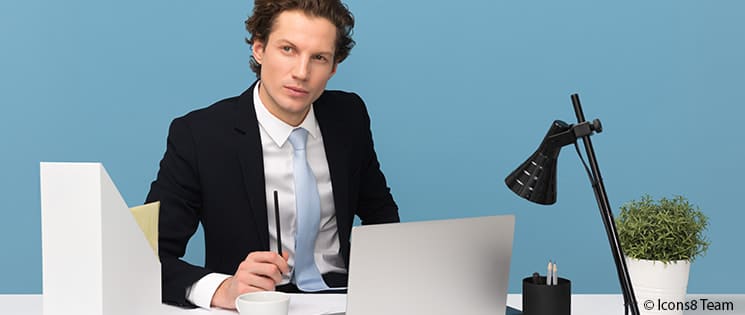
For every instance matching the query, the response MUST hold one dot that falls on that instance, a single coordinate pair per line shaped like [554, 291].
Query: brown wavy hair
[265, 12]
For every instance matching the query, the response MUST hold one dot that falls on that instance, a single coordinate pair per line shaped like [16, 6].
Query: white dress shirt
[278, 174]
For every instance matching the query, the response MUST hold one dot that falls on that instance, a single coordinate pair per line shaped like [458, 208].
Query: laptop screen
[458, 266]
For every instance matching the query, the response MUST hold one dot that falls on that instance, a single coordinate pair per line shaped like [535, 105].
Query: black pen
[276, 219]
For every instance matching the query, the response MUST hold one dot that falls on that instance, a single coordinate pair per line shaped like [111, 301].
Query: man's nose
[301, 69]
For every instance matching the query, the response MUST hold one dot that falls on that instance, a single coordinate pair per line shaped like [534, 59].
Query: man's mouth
[296, 91]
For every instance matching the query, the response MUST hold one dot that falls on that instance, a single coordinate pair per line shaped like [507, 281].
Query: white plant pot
[660, 288]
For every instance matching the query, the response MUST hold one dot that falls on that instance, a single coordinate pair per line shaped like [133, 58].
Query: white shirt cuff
[200, 293]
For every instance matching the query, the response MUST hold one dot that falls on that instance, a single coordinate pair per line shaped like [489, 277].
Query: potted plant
[660, 240]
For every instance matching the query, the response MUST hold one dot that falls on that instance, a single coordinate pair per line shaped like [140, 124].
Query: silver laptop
[458, 266]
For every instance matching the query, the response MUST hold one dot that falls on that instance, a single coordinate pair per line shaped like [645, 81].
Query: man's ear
[258, 49]
[333, 70]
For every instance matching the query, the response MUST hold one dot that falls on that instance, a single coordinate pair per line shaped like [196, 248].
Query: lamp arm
[607, 215]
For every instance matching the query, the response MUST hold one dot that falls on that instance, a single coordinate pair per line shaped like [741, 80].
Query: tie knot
[298, 138]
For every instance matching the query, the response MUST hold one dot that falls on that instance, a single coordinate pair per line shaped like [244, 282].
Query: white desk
[582, 304]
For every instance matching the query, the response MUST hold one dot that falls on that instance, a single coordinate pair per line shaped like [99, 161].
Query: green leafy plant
[664, 230]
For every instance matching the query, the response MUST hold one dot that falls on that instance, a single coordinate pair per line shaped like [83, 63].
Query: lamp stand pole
[605, 212]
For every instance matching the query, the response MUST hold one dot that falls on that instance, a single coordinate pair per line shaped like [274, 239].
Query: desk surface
[582, 304]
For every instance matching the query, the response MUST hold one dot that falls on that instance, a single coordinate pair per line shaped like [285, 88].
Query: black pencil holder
[542, 299]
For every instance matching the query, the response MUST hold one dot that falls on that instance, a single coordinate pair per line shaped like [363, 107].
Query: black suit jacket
[213, 172]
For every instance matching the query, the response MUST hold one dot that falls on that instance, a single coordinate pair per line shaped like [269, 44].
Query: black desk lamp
[535, 180]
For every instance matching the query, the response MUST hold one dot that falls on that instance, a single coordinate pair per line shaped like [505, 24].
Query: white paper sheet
[317, 304]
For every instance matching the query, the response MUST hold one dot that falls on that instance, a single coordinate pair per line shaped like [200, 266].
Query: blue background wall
[460, 92]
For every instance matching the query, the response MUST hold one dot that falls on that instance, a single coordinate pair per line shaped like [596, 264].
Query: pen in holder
[542, 299]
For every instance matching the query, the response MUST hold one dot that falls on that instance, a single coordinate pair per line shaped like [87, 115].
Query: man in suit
[223, 163]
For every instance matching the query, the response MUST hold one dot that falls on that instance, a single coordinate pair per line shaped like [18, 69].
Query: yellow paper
[147, 218]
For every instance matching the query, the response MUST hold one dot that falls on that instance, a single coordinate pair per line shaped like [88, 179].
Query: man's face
[296, 60]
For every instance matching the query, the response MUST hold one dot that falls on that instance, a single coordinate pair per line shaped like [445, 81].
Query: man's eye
[320, 57]
[286, 48]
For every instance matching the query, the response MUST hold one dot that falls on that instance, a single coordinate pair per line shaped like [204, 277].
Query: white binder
[96, 260]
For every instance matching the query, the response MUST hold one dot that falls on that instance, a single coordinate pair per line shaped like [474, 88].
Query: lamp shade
[535, 179]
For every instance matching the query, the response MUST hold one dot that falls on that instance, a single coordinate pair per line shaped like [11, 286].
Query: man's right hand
[260, 271]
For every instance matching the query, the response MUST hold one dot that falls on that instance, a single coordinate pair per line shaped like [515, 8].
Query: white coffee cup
[263, 303]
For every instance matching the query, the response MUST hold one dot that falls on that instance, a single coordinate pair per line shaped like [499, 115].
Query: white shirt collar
[277, 129]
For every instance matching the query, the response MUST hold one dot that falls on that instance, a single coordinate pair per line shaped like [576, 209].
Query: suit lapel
[250, 154]
[336, 147]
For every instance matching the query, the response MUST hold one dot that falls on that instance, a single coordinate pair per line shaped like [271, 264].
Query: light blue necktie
[308, 206]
